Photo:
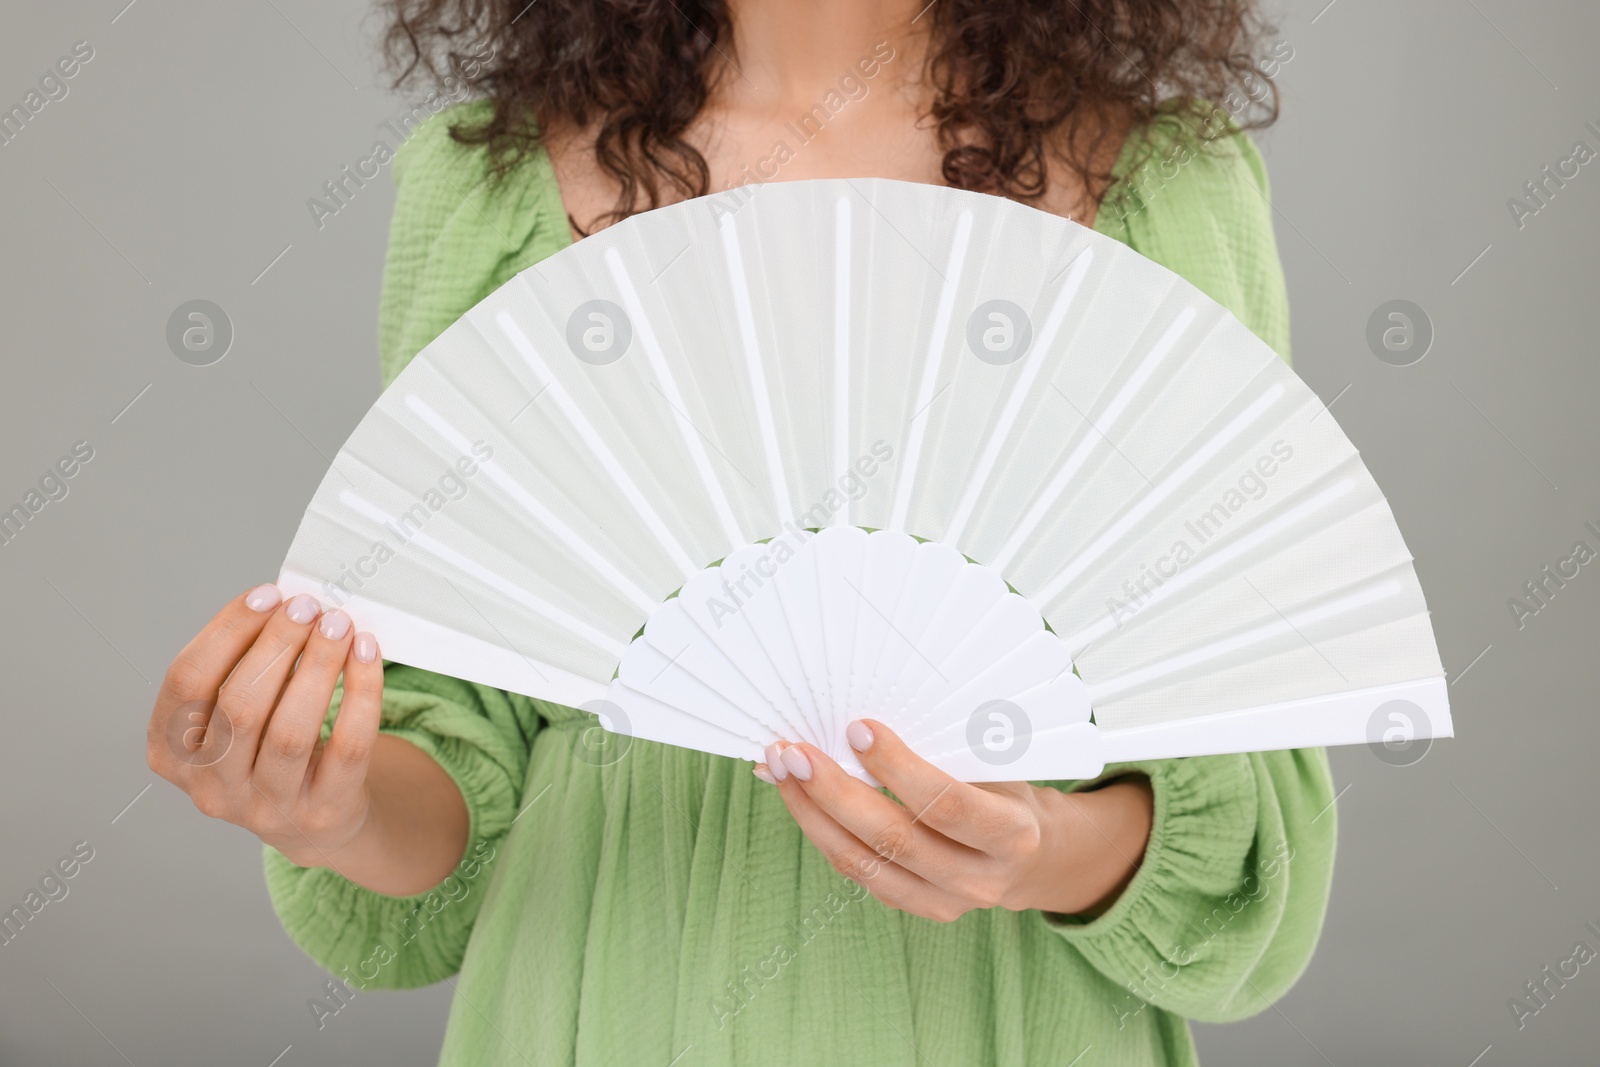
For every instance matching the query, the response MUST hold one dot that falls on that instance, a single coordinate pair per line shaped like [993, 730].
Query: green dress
[661, 907]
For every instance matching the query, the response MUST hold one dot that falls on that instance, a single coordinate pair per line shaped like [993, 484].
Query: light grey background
[178, 167]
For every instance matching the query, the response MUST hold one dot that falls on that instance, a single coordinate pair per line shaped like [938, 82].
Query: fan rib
[737, 643]
[1330, 719]
[1221, 558]
[1286, 623]
[739, 281]
[770, 625]
[422, 642]
[595, 507]
[840, 550]
[841, 346]
[1019, 394]
[669, 389]
[1086, 445]
[937, 343]
[504, 585]
[597, 445]
[883, 571]
[541, 514]
[1160, 492]
[656, 720]
[655, 673]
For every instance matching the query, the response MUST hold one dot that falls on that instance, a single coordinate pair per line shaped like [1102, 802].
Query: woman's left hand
[949, 847]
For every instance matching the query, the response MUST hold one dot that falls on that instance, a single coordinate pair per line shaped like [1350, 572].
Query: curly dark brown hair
[1012, 80]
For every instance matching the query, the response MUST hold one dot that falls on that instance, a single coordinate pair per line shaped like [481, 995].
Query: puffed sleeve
[1226, 909]
[453, 240]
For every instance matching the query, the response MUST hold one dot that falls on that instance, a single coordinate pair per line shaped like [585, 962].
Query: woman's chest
[793, 144]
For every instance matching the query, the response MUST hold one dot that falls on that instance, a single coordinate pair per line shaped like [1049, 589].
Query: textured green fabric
[663, 908]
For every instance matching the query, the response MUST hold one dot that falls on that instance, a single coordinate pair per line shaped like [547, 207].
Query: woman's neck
[784, 53]
[804, 90]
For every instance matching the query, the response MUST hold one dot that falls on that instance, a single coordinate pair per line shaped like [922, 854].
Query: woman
[656, 905]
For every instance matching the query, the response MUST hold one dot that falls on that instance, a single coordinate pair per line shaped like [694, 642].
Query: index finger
[959, 811]
[202, 665]
[199, 669]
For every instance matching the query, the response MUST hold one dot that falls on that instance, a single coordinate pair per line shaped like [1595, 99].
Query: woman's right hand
[238, 723]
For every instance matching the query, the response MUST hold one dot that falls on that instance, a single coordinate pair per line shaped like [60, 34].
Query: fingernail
[263, 598]
[774, 751]
[765, 775]
[859, 734]
[335, 624]
[366, 648]
[302, 609]
[795, 762]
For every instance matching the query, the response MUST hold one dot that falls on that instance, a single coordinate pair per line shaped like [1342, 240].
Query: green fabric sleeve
[1201, 209]
[481, 736]
[1225, 911]
[454, 239]
[1175, 938]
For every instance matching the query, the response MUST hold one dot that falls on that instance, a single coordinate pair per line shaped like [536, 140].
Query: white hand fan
[1071, 511]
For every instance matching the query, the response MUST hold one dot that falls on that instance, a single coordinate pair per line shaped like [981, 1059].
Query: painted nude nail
[366, 648]
[795, 762]
[263, 598]
[335, 624]
[859, 734]
[302, 609]
[774, 763]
